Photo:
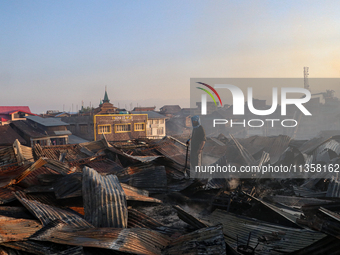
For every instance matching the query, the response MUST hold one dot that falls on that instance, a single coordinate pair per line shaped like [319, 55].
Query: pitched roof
[106, 98]
[47, 122]
[170, 108]
[11, 109]
[8, 136]
[151, 114]
[142, 109]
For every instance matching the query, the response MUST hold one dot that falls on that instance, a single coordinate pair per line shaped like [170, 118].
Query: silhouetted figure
[197, 142]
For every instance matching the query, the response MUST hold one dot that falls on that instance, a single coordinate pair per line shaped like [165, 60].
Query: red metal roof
[11, 109]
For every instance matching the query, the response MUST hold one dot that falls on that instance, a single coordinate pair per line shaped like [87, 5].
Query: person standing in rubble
[197, 142]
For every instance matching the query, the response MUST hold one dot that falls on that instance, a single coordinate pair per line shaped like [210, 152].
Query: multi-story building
[120, 127]
[155, 128]
[107, 120]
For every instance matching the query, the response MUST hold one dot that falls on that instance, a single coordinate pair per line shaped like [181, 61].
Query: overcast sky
[57, 53]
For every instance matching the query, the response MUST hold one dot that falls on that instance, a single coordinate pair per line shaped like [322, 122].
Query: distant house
[155, 128]
[13, 113]
[63, 114]
[43, 131]
[170, 110]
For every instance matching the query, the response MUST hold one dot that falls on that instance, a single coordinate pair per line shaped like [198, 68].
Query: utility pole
[305, 81]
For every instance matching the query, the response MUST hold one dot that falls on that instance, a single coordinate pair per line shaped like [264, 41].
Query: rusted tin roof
[152, 179]
[131, 240]
[104, 200]
[12, 229]
[34, 247]
[190, 219]
[134, 194]
[7, 194]
[274, 239]
[47, 213]
[138, 219]
[209, 241]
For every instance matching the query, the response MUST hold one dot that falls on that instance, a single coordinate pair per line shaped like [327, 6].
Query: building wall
[81, 126]
[120, 127]
[156, 128]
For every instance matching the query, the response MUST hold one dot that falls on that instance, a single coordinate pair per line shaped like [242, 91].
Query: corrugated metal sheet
[312, 144]
[328, 245]
[134, 194]
[10, 251]
[10, 172]
[275, 239]
[15, 212]
[333, 215]
[68, 186]
[7, 194]
[173, 149]
[104, 166]
[23, 153]
[275, 145]
[138, 219]
[295, 202]
[305, 192]
[104, 200]
[323, 220]
[152, 179]
[33, 178]
[7, 156]
[217, 141]
[47, 213]
[333, 189]
[209, 241]
[190, 219]
[143, 159]
[36, 165]
[329, 145]
[72, 152]
[12, 229]
[34, 247]
[247, 157]
[131, 240]
[95, 146]
[60, 167]
[71, 251]
[216, 183]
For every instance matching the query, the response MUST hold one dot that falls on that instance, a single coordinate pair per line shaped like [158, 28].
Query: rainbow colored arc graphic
[209, 93]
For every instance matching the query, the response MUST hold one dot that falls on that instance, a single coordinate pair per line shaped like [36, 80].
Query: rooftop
[11, 109]
[47, 122]
[151, 114]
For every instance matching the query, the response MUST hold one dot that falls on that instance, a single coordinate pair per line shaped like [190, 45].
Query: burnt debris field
[136, 197]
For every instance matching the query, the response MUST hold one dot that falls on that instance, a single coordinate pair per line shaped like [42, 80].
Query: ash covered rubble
[136, 197]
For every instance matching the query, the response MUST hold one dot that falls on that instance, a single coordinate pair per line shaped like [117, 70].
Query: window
[155, 121]
[104, 129]
[160, 131]
[139, 126]
[120, 128]
[161, 121]
[149, 132]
